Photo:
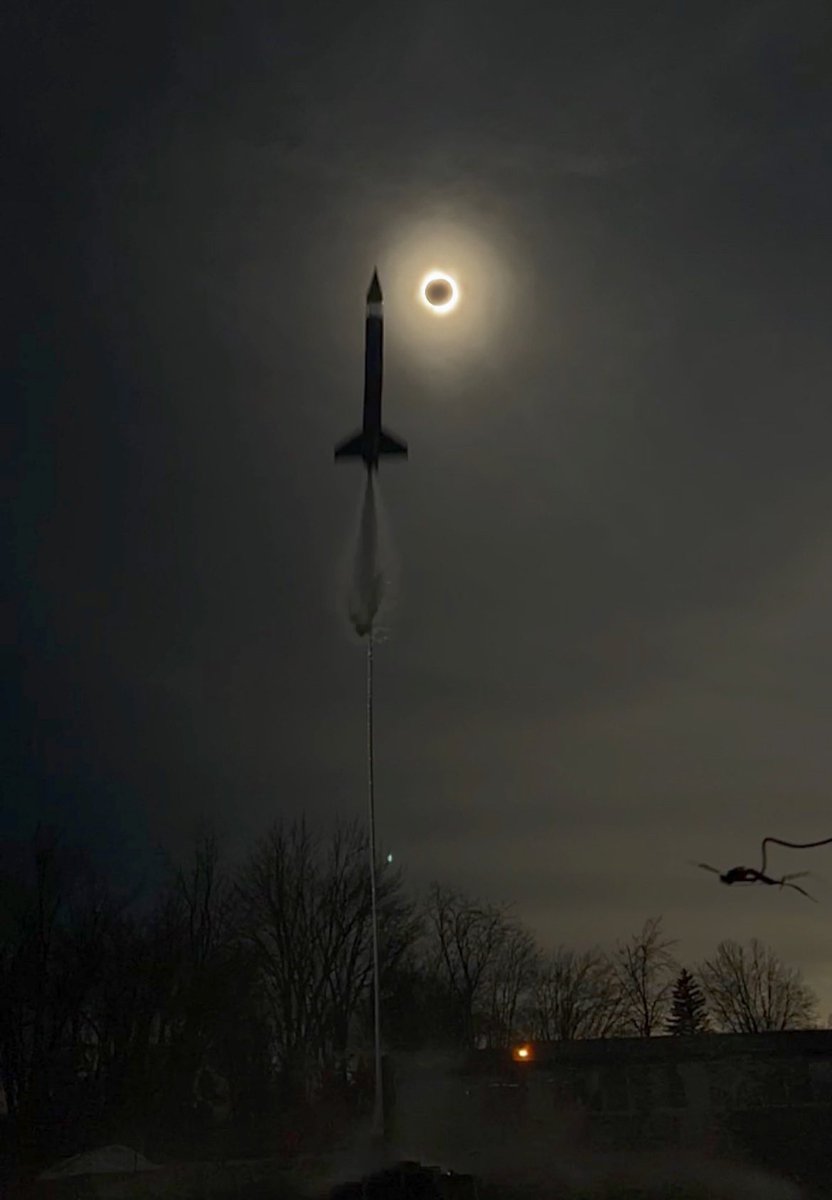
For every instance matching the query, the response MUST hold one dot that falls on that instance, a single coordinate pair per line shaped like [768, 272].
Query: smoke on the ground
[439, 1119]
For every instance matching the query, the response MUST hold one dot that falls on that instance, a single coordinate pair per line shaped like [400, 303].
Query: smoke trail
[367, 591]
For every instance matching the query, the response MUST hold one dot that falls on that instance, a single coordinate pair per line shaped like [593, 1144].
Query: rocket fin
[388, 444]
[353, 447]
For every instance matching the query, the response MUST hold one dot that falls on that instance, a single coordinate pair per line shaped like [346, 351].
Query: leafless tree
[193, 939]
[155, 1011]
[510, 980]
[118, 1016]
[645, 970]
[30, 1035]
[305, 911]
[575, 995]
[751, 990]
[205, 896]
[464, 941]
[278, 892]
[484, 960]
[346, 935]
[55, 914]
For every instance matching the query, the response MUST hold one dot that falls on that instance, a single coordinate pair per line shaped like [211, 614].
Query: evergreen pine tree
[688, 1014]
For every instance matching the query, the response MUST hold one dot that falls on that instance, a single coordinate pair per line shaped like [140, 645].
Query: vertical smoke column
[367, 591]
[370, 443]
[378, 1102]
[365, 601]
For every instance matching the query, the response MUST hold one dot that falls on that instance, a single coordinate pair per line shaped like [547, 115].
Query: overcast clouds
[610, 652]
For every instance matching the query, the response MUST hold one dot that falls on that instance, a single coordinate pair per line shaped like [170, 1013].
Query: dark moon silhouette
[438, 291]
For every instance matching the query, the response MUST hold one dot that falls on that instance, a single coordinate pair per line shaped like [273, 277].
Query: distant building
[763, 1097]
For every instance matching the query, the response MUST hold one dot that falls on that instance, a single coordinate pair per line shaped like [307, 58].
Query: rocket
[372, 441]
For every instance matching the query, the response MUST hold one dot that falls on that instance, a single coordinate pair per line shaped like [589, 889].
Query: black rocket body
[372, 441]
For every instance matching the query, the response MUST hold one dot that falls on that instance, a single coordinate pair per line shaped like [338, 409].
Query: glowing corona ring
[445, 289]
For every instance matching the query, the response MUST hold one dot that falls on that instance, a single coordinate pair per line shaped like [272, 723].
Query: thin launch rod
[378, 1104]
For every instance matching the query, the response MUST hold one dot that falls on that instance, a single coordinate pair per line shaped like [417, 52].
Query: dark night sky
[609, 651]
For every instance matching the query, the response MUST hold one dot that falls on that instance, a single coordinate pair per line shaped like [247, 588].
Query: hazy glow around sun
[439, 277]
[475, 256]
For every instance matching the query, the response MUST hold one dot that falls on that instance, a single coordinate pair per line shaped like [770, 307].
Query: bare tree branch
[576, 995]
[645, 970]
[751, 990]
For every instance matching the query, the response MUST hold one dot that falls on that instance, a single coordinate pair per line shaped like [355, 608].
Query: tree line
[239, 1005]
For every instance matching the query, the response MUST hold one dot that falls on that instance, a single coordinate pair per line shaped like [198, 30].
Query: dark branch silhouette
[792, 846]
[752, 875]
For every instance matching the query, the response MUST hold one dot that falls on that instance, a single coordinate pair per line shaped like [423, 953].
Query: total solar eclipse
[439, 292]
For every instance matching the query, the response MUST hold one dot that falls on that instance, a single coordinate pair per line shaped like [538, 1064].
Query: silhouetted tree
[484, 960]
[751, 990]
[305, 914]
[509, 983]
[347, 903]
[644, 969]
[420, 1009]
[256, 989]
[194, 938]
[688, 1010]
[575, 995]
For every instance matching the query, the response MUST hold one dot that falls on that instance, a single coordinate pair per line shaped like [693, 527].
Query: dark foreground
[630, 1177]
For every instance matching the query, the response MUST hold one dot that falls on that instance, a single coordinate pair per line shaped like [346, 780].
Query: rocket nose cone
[374, 291]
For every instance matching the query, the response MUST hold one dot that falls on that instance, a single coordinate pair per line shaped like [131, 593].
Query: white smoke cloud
[367, 589]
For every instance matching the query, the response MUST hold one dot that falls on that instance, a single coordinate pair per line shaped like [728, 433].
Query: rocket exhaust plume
[365, 601]
[367, 591]
[369, 444]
